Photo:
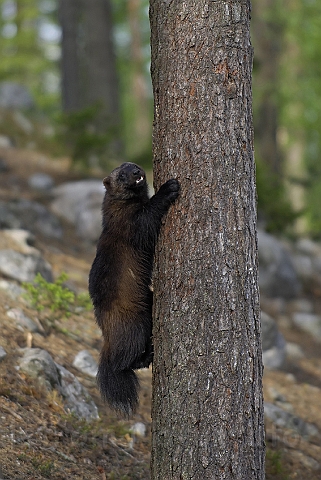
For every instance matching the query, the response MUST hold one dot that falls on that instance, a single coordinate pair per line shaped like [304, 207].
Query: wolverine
[120, 280]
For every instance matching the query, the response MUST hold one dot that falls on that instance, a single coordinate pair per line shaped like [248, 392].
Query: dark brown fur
[120, 280]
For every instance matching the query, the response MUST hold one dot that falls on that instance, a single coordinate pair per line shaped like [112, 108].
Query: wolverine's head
[126, 181]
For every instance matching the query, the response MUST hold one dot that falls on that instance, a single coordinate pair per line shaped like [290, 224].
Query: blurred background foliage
[86, 65]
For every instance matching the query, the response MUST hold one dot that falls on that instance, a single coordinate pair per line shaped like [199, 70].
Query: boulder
[41, 182]
[15, 96]
[3, 353]
[80, 204]
[24, 267]
[39, 364]
[76, 397]
[273, 343]
[85, 363]
[12, 289]
[23, 321]
[29, 215]
[88, 218]
[277, 275]
[309, 322]
[285, 419]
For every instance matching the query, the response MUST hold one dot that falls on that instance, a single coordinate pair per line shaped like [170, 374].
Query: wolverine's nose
[137, 172]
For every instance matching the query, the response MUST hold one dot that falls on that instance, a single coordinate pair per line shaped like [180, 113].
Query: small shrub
[274, 466]
[43, 467]
[55, 300]
[53, 296]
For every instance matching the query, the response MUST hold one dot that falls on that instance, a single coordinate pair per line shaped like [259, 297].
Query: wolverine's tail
[119, 388]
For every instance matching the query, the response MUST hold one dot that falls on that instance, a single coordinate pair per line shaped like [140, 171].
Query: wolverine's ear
[106, 182]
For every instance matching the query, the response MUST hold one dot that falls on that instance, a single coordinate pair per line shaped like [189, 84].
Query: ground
[39, 439]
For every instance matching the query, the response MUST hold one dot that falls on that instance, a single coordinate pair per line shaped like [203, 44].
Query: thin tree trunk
[268, 39]
[207, 371]
[140, 97]
[69, 13]
[102, 81]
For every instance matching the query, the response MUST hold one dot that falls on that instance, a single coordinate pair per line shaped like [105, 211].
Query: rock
[308, 247]
[20, 240]
[274, 358]
[21, 262]
[304, 268]
[307, 262]
[301, 305]
[24, 267]
[80, 203]
[280, 400]
[273, 343]
[15, 96]
[40, 181]
[76, 397]
[3, 353]
[23, 321]
[285, 419]
[277, 276]
[31, 216]
[85, 362]
[3, 164]
[5, 142]
[306, 460]
[308, 322]
[12, 289]
[88, 218]
[138, 429]
[39, 364]
[23, 122]
[294, 351]
[269, 331]
[69, 195]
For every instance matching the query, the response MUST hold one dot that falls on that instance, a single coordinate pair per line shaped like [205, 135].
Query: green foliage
[45, 467]
[79, 134]
[55, 299]
[273, 204]
[295, 90]
[274, 467]
[25, 57]
[137, 149]
[300, 89]
[53, 296]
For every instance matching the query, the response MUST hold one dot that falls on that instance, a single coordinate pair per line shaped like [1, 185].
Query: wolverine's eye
[122, 176]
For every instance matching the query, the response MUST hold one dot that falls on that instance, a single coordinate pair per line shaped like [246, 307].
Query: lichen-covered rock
[39, 364]
[24, 267]
[277, 275]
[85, 362]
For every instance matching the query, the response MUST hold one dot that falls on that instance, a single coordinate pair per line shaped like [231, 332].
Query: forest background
[87, 65]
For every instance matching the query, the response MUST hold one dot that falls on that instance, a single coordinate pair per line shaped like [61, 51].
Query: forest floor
[39, 439]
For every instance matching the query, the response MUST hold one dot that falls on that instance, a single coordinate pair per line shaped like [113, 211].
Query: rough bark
[207, 371]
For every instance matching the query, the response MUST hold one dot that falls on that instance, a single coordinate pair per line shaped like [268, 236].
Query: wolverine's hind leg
[145, 359]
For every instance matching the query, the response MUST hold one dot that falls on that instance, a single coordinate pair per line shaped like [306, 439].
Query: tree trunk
[207, 372]
[268, 39]
[101, 76]
[140, 98]
[68, 11]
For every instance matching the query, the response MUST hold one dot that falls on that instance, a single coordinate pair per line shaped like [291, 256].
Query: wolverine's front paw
[171, 189]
